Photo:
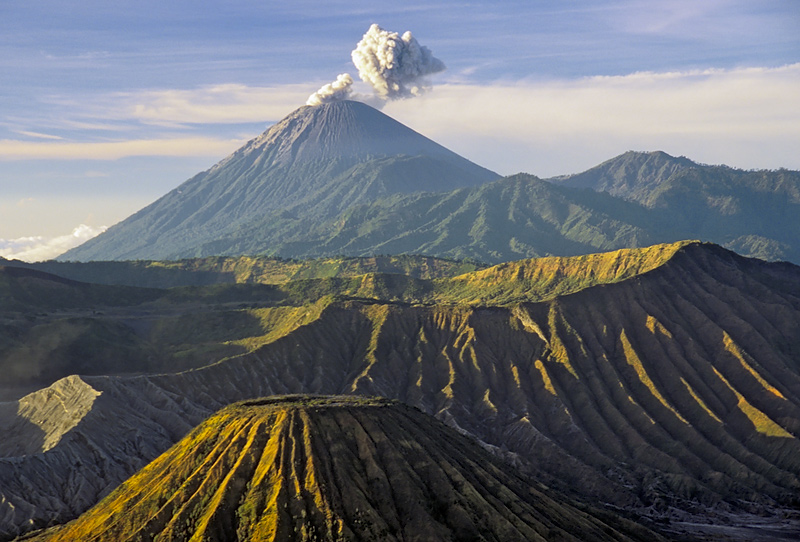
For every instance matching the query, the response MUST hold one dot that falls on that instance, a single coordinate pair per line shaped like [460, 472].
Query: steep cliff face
[304, 468]
[677, 386]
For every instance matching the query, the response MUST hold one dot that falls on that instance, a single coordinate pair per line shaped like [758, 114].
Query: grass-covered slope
[246, 269]
[306, 468]
[546, 278]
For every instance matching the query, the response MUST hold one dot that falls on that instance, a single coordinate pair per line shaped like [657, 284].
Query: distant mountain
[309, 167]
[634, 175]
[343, 179]
[663, 381]
[309, 468]
[756, 213]
[512, 218]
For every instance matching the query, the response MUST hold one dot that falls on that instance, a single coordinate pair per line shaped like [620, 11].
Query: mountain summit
[308, 167]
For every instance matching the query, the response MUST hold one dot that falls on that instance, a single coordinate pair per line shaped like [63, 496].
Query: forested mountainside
[343, 179]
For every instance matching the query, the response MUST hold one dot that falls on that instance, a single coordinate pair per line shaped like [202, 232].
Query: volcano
[305, 468]
[306, 169]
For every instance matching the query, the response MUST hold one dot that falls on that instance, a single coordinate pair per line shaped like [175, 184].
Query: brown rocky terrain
[672, 392]
[303, 468]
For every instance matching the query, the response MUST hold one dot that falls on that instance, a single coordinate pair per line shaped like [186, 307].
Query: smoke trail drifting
[341, 89]
[395, 66]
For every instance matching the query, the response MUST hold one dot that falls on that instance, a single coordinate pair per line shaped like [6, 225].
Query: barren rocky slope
[305, 468]
[51, 327]
[676, 388]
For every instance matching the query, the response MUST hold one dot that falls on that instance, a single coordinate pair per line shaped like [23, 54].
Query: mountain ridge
[628, 174]
[754, 212]
[344, 179]
[54, 328]
[673, 390]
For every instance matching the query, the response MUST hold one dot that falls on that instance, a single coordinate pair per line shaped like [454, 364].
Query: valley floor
[736, 528]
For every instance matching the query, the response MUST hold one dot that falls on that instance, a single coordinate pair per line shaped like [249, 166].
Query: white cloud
[12, 149]
[748, 117]
[38, 248]
[218, 104]
[38, 135]
[745, 117]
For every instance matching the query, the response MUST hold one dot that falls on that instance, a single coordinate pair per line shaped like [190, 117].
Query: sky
[106, 106]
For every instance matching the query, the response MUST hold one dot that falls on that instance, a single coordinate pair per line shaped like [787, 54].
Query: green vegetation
[755, 213]
[635, 200]
[248, 269]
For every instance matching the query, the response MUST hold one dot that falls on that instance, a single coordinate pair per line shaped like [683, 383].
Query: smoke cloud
[341, 89]
[395, 66]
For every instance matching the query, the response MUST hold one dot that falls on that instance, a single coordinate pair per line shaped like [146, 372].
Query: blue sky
[105, 106]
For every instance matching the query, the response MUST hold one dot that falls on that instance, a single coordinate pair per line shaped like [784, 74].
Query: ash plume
[395, 66]
[341, 89]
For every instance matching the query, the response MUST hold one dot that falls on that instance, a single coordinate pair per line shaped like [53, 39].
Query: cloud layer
[111, 150]
[37, 249]
[748, 118]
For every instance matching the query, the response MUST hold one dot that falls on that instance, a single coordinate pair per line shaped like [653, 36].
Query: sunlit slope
[676, 385]
[544, 278]
[246, 269]
[683, 380]
[332, 468]
[55, 327]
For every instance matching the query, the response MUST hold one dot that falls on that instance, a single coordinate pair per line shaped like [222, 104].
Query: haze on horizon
[106, 107]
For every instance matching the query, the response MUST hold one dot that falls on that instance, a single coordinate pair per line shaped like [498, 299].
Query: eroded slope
[303, 468]
[676, 388]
